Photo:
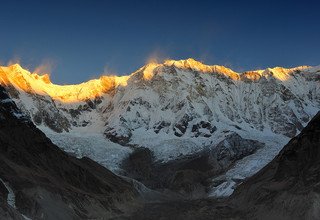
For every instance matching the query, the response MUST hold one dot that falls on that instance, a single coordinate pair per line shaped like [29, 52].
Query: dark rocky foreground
[48, 183]
[287, 188]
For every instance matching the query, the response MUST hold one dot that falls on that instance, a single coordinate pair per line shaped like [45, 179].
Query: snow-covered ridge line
[26, 81]
[41, 84]
[199, 66]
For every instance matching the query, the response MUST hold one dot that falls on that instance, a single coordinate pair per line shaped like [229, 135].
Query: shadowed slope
[47, 182]
[289, 186]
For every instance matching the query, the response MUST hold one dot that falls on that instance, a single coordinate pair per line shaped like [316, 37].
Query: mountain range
[179, 128]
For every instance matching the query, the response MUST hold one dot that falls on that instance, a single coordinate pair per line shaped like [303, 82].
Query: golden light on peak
[148, 72]
[199, 66]
[41, 84]
[23, 80]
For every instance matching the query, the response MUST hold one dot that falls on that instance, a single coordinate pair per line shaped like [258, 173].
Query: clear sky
[80, 39]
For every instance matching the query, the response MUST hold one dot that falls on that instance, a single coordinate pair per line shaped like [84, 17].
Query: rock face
[46, 182]
[234, 148]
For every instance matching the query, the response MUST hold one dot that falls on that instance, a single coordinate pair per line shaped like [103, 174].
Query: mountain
[179, 111]
[40, 181]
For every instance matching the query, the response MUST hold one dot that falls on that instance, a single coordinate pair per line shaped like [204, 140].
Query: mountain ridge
[14, 74]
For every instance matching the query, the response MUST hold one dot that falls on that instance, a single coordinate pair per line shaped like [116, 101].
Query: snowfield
[92, 145]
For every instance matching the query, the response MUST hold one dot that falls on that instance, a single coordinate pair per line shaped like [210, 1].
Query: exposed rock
[52, 119]
[181, 126]
[203, 129]
[158, 127]
[121, 136]
[234, 148]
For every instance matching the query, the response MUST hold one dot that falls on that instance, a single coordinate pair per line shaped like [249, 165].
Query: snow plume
[107, 71]
[156, 56]
[45, 67]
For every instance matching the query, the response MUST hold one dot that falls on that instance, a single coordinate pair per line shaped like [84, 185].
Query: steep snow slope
[176, 108]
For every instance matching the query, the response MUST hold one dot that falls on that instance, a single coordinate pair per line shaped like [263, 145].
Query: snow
[19, 115]
[225, 189]
[174, 148]
[92, 145]
[11, 199]
[8, 100]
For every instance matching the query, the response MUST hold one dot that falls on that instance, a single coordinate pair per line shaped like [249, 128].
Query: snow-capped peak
[41, 84]
[200, 67]
[29, 82]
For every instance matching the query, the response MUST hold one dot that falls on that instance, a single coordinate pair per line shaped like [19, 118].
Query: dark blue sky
[79, 39]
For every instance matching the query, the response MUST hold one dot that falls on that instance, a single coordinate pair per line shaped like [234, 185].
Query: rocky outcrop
[203, 129]
[234, 148]
[121, 136]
